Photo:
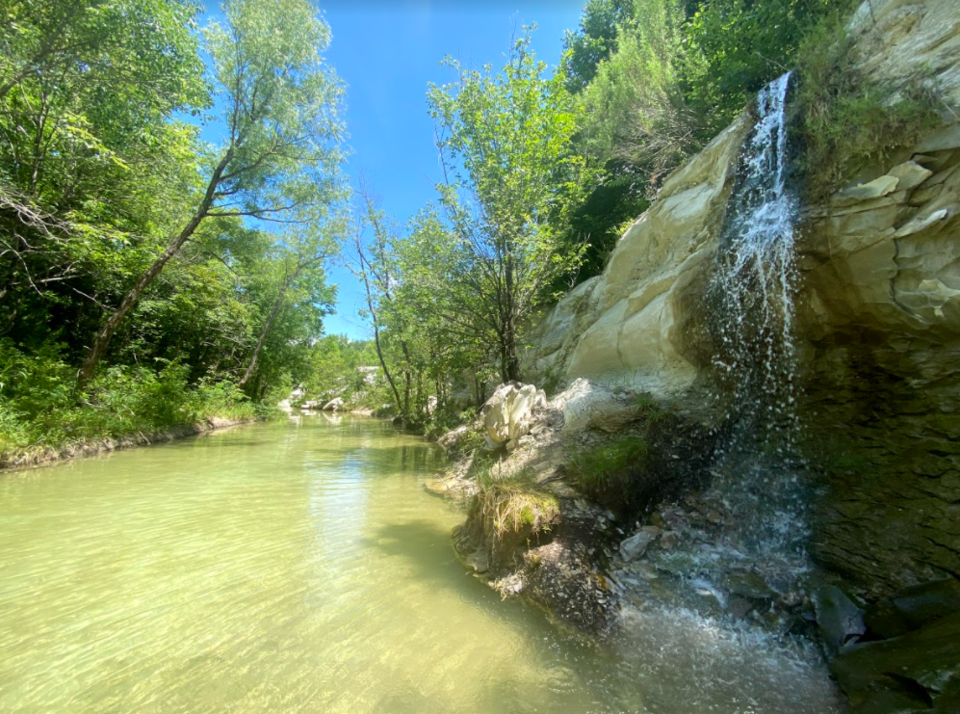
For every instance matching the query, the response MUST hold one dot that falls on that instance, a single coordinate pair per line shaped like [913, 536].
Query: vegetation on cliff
[542, 171]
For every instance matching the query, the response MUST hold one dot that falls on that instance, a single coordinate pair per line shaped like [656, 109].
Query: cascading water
[755, 280]
[743, 538]
[754, 289]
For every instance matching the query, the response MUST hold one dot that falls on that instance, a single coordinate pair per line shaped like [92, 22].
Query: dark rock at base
[749, 585]
[739, 607]
[918, 672]
[913, 607]
[562, 577]
[838, 618]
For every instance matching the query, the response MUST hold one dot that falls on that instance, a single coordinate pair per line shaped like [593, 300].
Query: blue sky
[387, 53]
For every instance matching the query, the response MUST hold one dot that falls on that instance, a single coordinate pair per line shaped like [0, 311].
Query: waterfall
[756, 277]
[742, 540]
[753, 289]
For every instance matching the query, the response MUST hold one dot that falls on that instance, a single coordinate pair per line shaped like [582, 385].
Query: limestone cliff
[878, 316]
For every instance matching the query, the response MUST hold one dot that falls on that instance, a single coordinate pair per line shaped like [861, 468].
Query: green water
[300, 567]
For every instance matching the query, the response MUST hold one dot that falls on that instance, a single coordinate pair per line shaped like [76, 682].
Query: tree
[105, 41]
[374, 266]
[304, 251]
[594, 40]
[91, 164]
[280, 113]
[512, 178]
[636, 112]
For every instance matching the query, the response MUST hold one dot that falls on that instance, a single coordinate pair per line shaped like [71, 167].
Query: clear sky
[387, 52]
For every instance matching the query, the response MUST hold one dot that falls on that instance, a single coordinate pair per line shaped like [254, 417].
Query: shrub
[41, 407]
[850, 121]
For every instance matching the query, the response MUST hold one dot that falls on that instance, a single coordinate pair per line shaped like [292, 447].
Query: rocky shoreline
[531, 531]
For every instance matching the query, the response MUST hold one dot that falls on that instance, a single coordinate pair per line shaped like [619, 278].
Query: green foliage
[100, 171]
[850, 121]
[514, 178]
[604, 472]
[40, 408]
[616, 200]
[681, 71]
[341, 367]
[735, 47]
[635, 111]
[593, 41]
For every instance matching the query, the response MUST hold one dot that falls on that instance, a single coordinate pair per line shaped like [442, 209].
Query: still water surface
[300, 567]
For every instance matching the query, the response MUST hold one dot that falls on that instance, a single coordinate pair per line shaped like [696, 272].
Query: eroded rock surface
[877, 329]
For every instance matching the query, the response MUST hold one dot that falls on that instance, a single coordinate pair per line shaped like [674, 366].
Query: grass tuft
[515, 506]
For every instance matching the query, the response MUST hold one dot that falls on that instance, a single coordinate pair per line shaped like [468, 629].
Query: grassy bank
[44, 416]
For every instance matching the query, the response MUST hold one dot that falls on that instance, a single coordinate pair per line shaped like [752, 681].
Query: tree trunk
[511, 366]
[102, 340]
[266, 328]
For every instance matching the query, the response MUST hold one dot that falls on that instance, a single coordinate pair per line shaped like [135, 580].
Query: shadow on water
[425, 546]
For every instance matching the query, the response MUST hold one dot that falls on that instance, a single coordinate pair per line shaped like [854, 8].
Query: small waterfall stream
[753, 288]
[756, 278]
[743, 538]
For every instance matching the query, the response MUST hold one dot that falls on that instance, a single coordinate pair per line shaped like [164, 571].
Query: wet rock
[636, 545]
[918, 671]
[739, 607]
[749, 585]
[839, 620]
[913, 607]
[654, 531]
[478, 561]
[669, 540]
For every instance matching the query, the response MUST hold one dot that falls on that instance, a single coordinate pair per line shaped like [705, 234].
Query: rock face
[877, 329]
[638, 324]
[910, 659]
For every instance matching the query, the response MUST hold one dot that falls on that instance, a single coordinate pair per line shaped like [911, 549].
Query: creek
[301, 567]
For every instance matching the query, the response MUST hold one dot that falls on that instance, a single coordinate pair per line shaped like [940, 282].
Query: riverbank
[40, 455]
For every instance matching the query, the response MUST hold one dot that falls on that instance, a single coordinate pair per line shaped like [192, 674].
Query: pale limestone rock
[877, 329]
[585, 404]
[863, 192]
[920, 223]
[630, 327]
[941, 140]
[334, 405]
[509, 413]
[904, 41]
[910, 175]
